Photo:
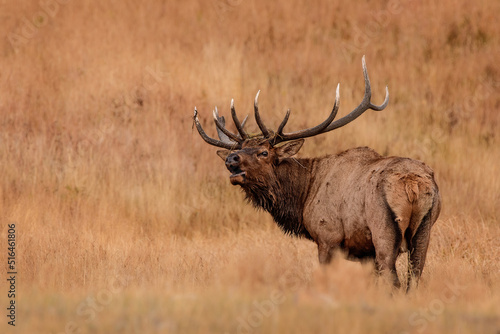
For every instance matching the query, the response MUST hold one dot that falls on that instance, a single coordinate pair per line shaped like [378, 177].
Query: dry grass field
[125, 219]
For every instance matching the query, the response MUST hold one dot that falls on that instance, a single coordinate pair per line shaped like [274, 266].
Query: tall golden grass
[126, 221]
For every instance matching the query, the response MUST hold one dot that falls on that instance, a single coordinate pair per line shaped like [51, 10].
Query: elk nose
[232, 160]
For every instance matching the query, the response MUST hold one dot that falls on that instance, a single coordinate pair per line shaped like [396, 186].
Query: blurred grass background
[106, 179]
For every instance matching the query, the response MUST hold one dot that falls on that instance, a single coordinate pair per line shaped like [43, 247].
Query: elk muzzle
[233, 162]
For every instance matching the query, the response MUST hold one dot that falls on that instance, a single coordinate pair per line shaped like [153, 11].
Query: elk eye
[263, 154]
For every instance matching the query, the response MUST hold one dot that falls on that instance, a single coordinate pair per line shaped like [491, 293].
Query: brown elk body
[369, 206]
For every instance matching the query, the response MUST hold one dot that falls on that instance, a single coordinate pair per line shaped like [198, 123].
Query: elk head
[255, 162]
[252, 159]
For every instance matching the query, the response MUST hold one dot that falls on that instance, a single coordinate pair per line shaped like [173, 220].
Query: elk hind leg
[386, 267]
[387, 241]
[418, 251]
[420, 242]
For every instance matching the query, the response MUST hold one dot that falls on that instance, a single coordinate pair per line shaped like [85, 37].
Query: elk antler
[224, 141]
[281, 137]
[224, 134]
[327, 125]
[232, 141]
[261, 125]
[228, 139]
[364, 105]
[239, 126]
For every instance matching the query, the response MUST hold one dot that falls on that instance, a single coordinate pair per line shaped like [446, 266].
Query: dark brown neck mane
[284, 195]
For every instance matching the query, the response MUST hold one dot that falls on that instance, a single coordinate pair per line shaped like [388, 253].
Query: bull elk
[369, 206]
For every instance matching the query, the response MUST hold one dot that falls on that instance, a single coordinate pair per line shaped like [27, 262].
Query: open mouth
[238, 176]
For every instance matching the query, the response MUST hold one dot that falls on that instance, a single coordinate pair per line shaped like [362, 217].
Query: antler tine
[244, 121]
[221, 134]
[261, 125]
[220, 124]
[281, 137]
[239, 126]
[363, 106]
[209, 140]
[283, 123]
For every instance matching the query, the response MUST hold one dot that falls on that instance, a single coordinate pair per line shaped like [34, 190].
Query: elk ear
[289, 149]
[223, 154]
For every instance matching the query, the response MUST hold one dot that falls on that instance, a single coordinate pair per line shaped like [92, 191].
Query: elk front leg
[325, 252]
